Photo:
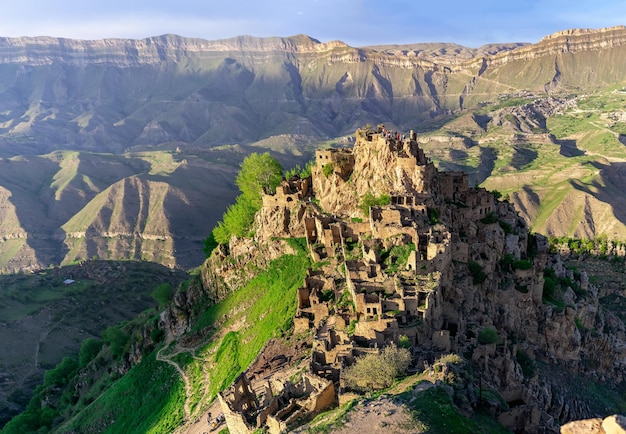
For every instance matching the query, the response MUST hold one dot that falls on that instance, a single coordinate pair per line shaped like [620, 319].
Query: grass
[432, 410]
[72, 313]
[23, 295]
[241, 325]
[148, 399]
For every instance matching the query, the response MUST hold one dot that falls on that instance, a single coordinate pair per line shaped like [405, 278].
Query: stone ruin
[277, 405]
[396, 272]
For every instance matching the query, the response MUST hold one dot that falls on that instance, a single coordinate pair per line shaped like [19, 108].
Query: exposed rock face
[109, 94]
[615, 424]
[474, 268]
[171, 92]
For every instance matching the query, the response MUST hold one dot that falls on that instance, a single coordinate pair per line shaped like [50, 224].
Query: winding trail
[167, 359]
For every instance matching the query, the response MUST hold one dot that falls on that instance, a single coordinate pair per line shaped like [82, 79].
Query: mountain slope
[65, 102]
[117, 95]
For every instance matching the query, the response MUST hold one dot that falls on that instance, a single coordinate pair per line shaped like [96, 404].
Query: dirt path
[167, 359]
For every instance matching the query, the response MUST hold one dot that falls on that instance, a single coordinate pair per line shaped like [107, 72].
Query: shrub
[404, 342]
[59, 375]
[259, 173]
[117, 340]
[89, 349]
[488, 335]
[433, 215]
[370, 200]
[377, 371]
[477, 272]
[328, 169]
[163, 294]
[526, 363]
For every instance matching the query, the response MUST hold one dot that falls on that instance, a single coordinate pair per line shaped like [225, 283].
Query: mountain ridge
[291, 95]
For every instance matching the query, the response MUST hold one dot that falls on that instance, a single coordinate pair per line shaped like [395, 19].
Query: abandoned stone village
[409, 254]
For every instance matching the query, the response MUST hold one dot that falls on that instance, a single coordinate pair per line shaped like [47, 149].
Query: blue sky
[356, 22]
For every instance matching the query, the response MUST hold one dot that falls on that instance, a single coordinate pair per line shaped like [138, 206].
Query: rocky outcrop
[615, 424]
[475, 268]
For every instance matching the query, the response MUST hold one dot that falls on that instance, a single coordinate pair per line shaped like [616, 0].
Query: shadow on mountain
[28, 181]
[608, 188]
[622, 139]
[196, 201]
[523, 156]
[525, 200]
[568, 148]
[488, 158]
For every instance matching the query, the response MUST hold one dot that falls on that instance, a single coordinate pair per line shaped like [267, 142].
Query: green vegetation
[38, 417]
[396, 258]
[266, 305]
[300, 172]
[477, 272]
[598, 245]
[377, 371]
[488, 335]
[526, 363]
[74, 317]
[554, 288]
[89, 349]
[508, 262]
[370, 200]
[163, 294]
[433, 410]
[117, 339]
[149, 398]
[259, 173]
[433, 215]
[328, 169]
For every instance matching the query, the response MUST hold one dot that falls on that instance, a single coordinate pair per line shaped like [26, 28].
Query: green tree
[237, 220]
[61, 373]
[368, 200]
[89, 349]
[163, 294]
[117, 340]
[488, 335]
[377, 371]
[259, 173]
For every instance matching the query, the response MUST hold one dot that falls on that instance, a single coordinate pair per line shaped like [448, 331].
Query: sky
[355, 22]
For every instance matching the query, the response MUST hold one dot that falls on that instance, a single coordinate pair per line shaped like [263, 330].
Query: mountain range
[128, 148]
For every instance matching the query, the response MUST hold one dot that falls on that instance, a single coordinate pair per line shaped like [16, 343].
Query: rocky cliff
[473, 281]
[288, 94]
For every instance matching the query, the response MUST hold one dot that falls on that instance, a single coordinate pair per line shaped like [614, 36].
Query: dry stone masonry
[406, 254]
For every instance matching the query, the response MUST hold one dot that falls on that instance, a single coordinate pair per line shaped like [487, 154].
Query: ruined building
[408, 254]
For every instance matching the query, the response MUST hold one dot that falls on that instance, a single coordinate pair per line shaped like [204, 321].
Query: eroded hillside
[64, 101]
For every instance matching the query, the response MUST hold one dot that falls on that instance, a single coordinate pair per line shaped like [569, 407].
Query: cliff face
[288, 94]
[471, 266]
[111, 94]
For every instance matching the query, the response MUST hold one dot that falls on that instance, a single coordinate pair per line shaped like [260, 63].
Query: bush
[404, 342]
[488, 335]
[163, 294]
[328, 169]
[477, 272]
[60, 375]
[237, 221]
[259, 173]
[526, 363]
[377, 371]
[116, 339]
[433, 215]
[89, 349]
[370, 200]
